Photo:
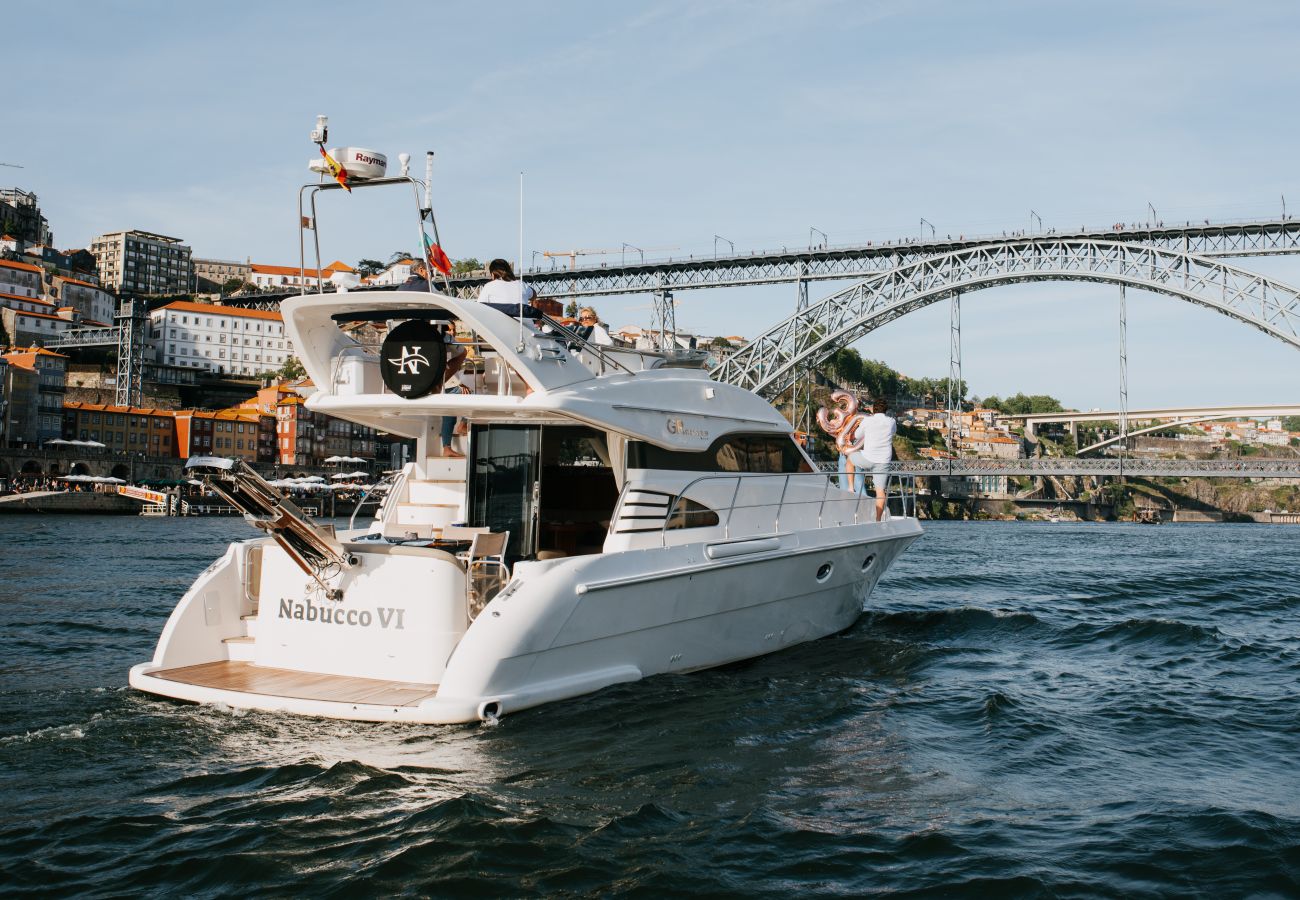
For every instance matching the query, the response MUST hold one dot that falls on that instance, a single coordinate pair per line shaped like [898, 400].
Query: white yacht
[614, 516]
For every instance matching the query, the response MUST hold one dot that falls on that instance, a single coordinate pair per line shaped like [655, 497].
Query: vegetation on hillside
[1021, 404]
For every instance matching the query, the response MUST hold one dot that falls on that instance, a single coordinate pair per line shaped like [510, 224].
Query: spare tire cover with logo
[413, 359]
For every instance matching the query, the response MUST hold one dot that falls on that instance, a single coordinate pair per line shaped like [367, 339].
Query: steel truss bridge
[1106, 467]
[772, 361]
[1255, 237]
[1252, 238]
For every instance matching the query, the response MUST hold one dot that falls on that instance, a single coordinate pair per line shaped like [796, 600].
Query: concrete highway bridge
[1165, 418]
[1250, 467]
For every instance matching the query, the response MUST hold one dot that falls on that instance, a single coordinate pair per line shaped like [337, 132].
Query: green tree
[1291, 423]
[880, 379]
[235, 285]
[291, 369]
[1020, 404]
[846, 365]
[721, 343]
[572, 309]
[368, 267]
[467, 266]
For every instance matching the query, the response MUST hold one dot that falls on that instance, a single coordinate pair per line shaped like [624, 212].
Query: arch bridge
[775, 359]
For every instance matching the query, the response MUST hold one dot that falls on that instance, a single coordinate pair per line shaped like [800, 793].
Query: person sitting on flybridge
[504, 287]
[418, 279]
[590, 329]
[876, 435]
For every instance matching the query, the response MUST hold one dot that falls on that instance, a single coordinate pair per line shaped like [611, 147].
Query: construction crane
[574, 254]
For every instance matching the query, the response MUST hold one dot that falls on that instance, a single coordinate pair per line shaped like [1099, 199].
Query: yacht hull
[563, 628]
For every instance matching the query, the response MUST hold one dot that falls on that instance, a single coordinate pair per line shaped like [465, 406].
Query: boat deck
[237, 675]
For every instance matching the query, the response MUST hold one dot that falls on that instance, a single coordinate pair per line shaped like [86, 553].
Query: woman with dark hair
[503, 288]
[875, 435]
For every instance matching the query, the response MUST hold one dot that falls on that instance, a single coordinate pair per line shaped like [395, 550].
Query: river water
[1024, 710]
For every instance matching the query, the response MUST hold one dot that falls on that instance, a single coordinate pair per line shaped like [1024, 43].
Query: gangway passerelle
[156, 503]
[314, 548]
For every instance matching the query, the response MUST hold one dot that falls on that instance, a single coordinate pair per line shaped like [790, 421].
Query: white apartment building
[34, 329]
[224, 340]
[141, 262]
[20, 281]
[96, 305]
[396, 273]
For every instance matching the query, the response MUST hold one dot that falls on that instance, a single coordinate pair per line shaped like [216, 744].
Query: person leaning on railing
[875, 435]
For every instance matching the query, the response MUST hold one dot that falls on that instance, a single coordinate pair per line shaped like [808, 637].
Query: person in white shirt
[504, 287]
[875, 437]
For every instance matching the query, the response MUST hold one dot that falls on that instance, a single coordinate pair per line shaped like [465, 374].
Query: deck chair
[486, 572]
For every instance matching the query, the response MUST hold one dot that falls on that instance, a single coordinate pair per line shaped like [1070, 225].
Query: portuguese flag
[437, 258]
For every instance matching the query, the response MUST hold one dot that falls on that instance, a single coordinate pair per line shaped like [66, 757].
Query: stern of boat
[370, 643]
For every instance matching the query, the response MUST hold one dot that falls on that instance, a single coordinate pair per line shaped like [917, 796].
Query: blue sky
[664, 124]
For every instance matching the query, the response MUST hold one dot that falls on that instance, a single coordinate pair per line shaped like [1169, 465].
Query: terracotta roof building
[124, 429]
[224, 340]
[37, 413]
[291, 278]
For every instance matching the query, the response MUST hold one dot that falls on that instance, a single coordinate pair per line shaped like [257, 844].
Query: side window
[756, 453]
[689, 514]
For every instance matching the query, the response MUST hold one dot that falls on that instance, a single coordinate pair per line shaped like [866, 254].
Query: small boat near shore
[615, 515]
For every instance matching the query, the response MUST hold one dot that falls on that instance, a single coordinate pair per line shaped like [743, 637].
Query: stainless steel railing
[756, 504]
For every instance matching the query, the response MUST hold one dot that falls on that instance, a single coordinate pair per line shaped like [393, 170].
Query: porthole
[868, 562]
[824, 571]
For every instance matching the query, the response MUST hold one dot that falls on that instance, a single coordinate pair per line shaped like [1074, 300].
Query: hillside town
[220, 376]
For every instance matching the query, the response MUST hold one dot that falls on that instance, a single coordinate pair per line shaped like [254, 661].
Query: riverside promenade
[69, 502]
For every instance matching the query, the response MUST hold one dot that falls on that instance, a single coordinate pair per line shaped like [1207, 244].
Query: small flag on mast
[340, 174]
[437, 258]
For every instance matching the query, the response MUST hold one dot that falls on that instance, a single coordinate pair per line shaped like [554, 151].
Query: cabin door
[504, 483]
[550, 486]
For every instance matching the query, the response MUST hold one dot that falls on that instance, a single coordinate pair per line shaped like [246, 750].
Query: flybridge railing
[558, 341]
[758, 504]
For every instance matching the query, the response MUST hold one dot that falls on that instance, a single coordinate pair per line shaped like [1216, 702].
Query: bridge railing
[1057, 465]
[85, 337]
